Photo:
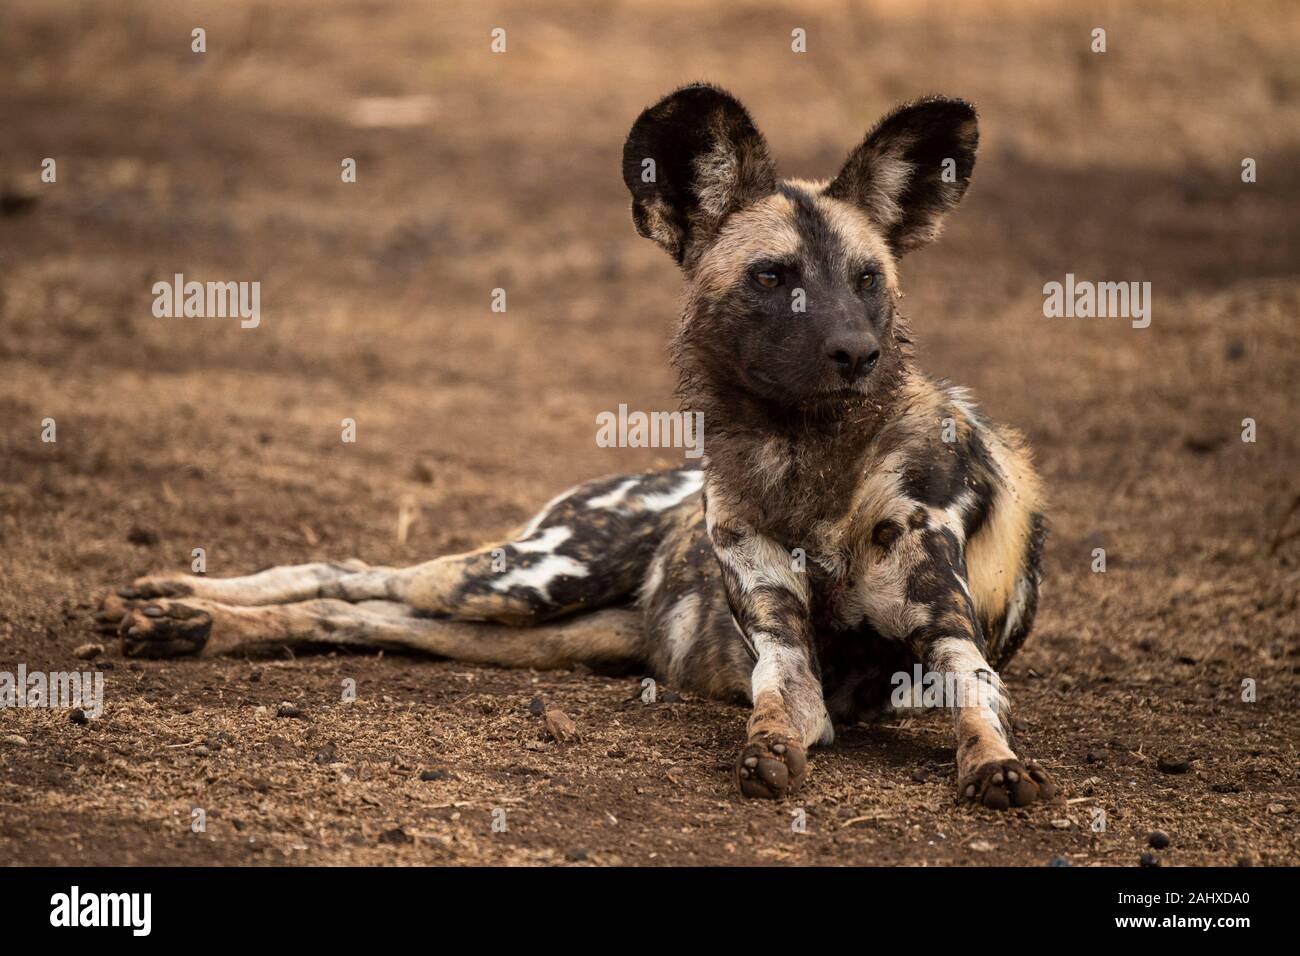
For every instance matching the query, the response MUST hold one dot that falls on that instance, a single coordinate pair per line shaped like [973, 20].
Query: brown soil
[375, 298]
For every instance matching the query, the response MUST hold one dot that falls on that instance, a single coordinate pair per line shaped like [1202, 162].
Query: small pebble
[142, 536]
[560, 726]
[436, 775]
[88, 652]
[1149, 860]
[981, 846]
[1157, 839]
[575, 854]
[1061, 824]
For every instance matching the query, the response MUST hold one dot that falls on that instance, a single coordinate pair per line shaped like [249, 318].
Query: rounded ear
[690, 161]
[912, 169]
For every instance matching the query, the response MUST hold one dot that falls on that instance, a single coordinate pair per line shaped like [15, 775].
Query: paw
[112, 610]
[771, 766]
[1000, 784]
[164, 629]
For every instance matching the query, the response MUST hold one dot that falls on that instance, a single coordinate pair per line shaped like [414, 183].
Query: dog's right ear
[690, 161]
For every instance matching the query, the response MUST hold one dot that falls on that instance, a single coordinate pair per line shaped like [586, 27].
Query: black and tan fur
[852, 517]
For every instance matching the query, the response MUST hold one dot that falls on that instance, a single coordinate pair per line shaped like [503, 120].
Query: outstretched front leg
[770, 602]
[918, 589]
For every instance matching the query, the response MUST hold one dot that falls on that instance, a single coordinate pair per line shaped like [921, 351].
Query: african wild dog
[919, 521]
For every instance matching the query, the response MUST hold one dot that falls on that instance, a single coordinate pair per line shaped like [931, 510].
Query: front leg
[945, 634]
[770, 603]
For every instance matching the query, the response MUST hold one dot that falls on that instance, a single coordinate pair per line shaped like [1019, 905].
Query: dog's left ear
[690, 161]
[912, 169]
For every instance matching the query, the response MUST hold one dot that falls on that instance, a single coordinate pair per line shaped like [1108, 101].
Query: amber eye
[767, 278]
[867, 281]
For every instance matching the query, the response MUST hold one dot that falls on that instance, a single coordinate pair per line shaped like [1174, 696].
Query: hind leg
[176, 627]
[587, 548]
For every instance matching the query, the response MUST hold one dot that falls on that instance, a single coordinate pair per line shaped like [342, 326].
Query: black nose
[853, 357]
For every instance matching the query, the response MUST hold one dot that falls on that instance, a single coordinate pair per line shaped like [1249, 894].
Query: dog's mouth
[833, 401]
[827, 404]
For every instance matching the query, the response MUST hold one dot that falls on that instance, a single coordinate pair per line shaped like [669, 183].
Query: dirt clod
[560, 726]
[142, 536]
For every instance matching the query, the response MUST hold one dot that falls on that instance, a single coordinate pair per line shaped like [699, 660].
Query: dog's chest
[857, 650]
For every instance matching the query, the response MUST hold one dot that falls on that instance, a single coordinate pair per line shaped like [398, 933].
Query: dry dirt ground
[479, 170]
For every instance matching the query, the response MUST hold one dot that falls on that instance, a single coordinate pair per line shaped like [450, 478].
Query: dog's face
[792, 285]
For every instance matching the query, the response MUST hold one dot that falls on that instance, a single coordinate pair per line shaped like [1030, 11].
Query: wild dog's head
[791, 286]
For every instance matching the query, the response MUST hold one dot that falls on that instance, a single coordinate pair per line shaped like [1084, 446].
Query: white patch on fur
[774, 659]
[805, 706]
[980, 687]
[772, 460]
[691, 482]
[614, 497]
[890, 174]
[717, 176]
[951, 517]
[541, 575]
[654, 580]
[681, 624]
[548, 540]
[1016, 609]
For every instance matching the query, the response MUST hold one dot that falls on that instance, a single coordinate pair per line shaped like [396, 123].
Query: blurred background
[478, 170]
